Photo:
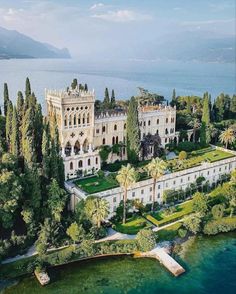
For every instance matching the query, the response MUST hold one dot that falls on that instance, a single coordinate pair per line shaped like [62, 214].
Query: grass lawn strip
[160, 219]
[132, 226]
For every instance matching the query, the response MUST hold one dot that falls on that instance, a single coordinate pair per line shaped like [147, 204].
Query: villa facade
[212, 172]
[82, 131]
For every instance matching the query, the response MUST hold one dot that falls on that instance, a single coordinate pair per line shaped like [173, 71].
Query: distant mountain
[16, 45]
[193, 46]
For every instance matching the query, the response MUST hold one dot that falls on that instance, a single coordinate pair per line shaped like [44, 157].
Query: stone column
[63, 152]
[72, 150]
[81, 149]
[90, 148]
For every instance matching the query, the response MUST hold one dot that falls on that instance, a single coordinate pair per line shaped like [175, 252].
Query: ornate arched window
[71, 165]
[80, 164]
[115, 127]
[89, 162]
[117, 140]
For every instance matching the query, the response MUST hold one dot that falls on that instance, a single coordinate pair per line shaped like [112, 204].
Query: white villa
[82, 132]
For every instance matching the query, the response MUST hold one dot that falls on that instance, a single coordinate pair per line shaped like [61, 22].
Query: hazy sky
[116, 27]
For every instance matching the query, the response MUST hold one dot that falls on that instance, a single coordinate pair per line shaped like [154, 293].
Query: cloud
[122, 16]
[96, 6]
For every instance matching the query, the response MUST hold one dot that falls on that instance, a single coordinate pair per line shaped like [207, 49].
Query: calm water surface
[187, 78]
[210, 264]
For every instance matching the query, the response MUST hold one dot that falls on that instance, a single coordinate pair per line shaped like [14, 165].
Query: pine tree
[6, 98]
[14, 137]
[113, 99]
[133, 132]
[106, 101]
[9, 122]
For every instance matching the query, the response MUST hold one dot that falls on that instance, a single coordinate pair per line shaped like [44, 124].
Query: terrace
[97, 184]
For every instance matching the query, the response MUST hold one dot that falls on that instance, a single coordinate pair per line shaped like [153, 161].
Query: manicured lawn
[216, 155]
[95, 184]
[160, 219]
[132, 226]
[169, 233]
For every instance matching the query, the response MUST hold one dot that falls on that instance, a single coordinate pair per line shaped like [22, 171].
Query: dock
[162, 255]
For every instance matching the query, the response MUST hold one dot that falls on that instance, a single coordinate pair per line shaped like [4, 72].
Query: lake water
[187, 78]
[210, 263]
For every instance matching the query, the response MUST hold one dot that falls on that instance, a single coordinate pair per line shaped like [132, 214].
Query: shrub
[187, 146]
[146, 240]
[100, 173]
[193, 224]
[182, 233]
[182, 155]
[218, 211]
[97, 233]
[221, 225]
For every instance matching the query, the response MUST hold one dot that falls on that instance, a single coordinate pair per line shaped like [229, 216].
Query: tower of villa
[82, 131]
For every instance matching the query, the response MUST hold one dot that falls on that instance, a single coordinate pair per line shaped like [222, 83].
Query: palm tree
[195, 124]
[155, 169]
[126, 178]
[227, 137]
[97, 209]
[213, 131]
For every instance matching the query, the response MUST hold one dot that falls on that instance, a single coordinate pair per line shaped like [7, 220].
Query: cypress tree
[206, 110]
[203, 134]
[219, 106]
[28, 137]
[106, 101]
[188, 106]
[133, 133]
[14, 138]
[6, 98]
[233, 106]
[9, 122]
[20, 106]
[86, 87]
[46, 151]
[38, 123]
[113, 99]
[74, 84]
[27, 88]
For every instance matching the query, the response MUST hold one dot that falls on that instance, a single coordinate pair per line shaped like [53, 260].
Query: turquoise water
[210, 264]
[187, 78]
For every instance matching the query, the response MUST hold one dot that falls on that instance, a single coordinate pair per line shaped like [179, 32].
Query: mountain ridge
[14, 44]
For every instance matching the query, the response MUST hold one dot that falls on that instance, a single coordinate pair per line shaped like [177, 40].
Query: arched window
[79, 120]
[113, 140]
[167, 120]
[149, 122]
[70, 120]
[115, 127]
[96, 160]
[157, 132]
[80, 163]
[144, 124]
[74, 120]
[166, 131]
[103, 129]
[83, 119]
[117, 140]
[158, 121]
[140, 123]
[71, 165]
[89, 162]
[65, 121]
[88, 119]
[125, 126]
[103, 141]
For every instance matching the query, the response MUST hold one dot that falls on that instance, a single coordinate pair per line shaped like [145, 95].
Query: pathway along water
[210, 264]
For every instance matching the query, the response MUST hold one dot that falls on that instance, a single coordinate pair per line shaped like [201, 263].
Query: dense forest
[31, 173]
